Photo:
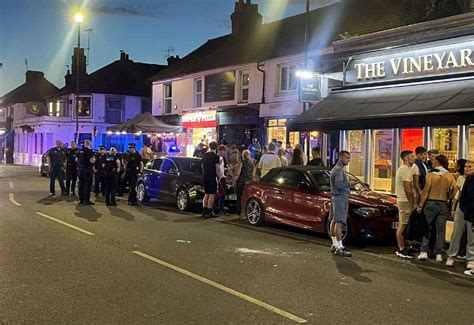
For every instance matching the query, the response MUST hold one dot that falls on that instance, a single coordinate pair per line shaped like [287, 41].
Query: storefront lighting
[138, 133]
[148, 135]
[124, 132]
[305, 74]
[2, 132]
[117, 132]
[109, 132]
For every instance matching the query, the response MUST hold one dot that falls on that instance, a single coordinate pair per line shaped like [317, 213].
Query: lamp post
[78, 18]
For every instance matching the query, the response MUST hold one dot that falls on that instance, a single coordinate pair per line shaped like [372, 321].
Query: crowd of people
[108, 172]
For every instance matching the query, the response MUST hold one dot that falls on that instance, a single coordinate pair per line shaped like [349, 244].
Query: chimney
[68, 77]
[33, 75]
[173, 59]
[245, 18]
[124, 56]
[81, 68]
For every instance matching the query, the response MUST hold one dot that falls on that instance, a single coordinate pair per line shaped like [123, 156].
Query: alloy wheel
[254, 212]
[182, 200]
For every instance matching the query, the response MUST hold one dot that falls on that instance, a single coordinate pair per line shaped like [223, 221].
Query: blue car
[175, 179]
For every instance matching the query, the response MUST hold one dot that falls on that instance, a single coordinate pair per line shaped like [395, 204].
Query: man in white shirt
[269, 160]
[405, 199]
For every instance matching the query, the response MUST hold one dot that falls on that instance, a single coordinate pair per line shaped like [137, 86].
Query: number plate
[394, 225]
[231, 197]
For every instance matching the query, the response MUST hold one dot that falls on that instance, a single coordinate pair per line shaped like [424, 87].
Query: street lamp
[78, 18]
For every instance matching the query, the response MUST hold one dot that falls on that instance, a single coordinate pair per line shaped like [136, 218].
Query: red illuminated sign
[204, 119]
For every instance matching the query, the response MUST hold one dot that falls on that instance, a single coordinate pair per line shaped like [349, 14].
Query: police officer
[71, 168]
[111, 169]
[133, 166]
[56, 161]
[86, 160]
[99, 175]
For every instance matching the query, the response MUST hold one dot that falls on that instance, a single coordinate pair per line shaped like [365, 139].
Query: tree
[415, 11]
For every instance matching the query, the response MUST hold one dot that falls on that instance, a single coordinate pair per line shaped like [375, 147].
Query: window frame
[172, 165]
[296, 173]
[108, 110]
[291, 69]
[198, 94]
[244, 87]
[168, 99]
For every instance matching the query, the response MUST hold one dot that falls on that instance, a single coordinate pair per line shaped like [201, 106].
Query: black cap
[131, 144]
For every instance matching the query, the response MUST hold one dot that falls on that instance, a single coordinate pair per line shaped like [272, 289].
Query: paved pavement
[64, 263]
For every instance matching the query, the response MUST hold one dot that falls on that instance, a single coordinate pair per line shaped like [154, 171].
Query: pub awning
[145, 123]
[442, 103]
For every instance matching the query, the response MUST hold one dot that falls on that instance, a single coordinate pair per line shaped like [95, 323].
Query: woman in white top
[281, 154]
[459, 223]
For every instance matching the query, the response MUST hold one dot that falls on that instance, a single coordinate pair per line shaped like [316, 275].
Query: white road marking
[223, 288]
[10, 183]
[65, 224]
[12, 200]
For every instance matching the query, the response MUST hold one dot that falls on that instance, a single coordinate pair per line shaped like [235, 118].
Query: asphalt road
[65, 263]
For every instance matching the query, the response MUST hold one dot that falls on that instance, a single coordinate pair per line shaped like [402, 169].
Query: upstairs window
[56, 108]
[197, 92]
[114, 111]
[244, 86]
[288, 79]
[167, 95]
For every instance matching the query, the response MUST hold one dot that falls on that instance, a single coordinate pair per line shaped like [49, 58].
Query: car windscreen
[323, 180]
[192, 166]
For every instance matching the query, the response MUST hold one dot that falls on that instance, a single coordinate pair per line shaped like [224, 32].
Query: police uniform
[111, 178]
[85, 174]
[71, 170]
[99, 175]
[57, 157]
[133, 163]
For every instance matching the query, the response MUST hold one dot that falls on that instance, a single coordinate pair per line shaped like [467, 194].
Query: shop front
[239, 124]
[199, 127]
[398, 99]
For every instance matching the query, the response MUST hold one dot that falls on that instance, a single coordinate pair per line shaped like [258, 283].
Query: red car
[300, 196]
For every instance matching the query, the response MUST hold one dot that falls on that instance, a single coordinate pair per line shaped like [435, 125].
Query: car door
[152, 173]
[167, 180]
[278, 197]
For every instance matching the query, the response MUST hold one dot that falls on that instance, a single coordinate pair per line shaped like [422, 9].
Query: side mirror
[305, 186]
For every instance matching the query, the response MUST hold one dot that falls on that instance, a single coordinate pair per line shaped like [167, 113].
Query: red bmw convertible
[300, 196]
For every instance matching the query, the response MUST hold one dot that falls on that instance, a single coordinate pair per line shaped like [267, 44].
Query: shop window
[410, 139]
[244, 86]
[446, 141]
[167, 98]
[294, 139]
[276, 130]
[356, 146]
[113, 110]
[288, 79]
[197, 92]
[383, 147]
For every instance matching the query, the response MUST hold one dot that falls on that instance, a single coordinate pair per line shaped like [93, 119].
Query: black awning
[446, 103]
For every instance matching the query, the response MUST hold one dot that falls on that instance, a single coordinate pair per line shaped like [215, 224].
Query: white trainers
[470, 265]
[423, 256]
[439, 258]
[449, 262]
[469, 272]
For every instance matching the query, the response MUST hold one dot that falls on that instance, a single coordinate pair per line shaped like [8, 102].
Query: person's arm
[48, 159]
[117, 161]
[408, 191]
[140, 169]
[339, 181]
[416, 184]
[425, 193]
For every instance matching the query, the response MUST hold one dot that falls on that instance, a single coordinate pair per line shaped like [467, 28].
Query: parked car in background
[300, 196]
[175, 179]
[43, 165]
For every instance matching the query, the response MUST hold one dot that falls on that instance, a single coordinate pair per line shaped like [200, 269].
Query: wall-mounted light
[109, 132]
[175, 107]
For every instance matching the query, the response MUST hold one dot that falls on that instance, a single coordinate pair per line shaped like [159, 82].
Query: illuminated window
[167, 98]
[383, 148]
[356, 146]
[446, 141]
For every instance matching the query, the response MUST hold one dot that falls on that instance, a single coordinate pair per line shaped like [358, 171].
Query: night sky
[43, 31]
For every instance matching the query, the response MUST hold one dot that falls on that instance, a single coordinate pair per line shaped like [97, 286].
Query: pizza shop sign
[422, 63]
[204, 119]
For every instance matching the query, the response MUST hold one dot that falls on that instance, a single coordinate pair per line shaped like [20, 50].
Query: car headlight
[368, 212]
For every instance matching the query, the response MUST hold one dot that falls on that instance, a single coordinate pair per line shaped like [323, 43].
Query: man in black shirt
[71, 168]
[316, 161]
[210, 168]
[85, 160]
[133, 166]
[56, 161]
[99, 176]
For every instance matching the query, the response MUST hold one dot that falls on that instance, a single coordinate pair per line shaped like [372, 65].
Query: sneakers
[333, 249]
[439, 258]
[450, 261]
[469, 272]
[342, 252]
[404, 253]
[470, 265]
[423, 256]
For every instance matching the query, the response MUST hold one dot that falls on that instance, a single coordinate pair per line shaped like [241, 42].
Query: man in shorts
[405, 199]
[340, 189]
[210, 169]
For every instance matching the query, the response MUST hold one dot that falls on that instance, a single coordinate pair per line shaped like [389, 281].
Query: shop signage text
[288, 108]
[424, 63]
[310, 89]
[204, 119]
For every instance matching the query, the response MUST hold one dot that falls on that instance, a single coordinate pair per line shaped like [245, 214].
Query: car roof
[181, 158]
[305, 168]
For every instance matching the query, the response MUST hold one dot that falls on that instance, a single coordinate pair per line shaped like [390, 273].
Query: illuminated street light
[305, 74]
[78, 17]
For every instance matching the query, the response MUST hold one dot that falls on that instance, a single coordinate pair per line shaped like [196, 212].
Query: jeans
[436, 212]
[56, 172]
